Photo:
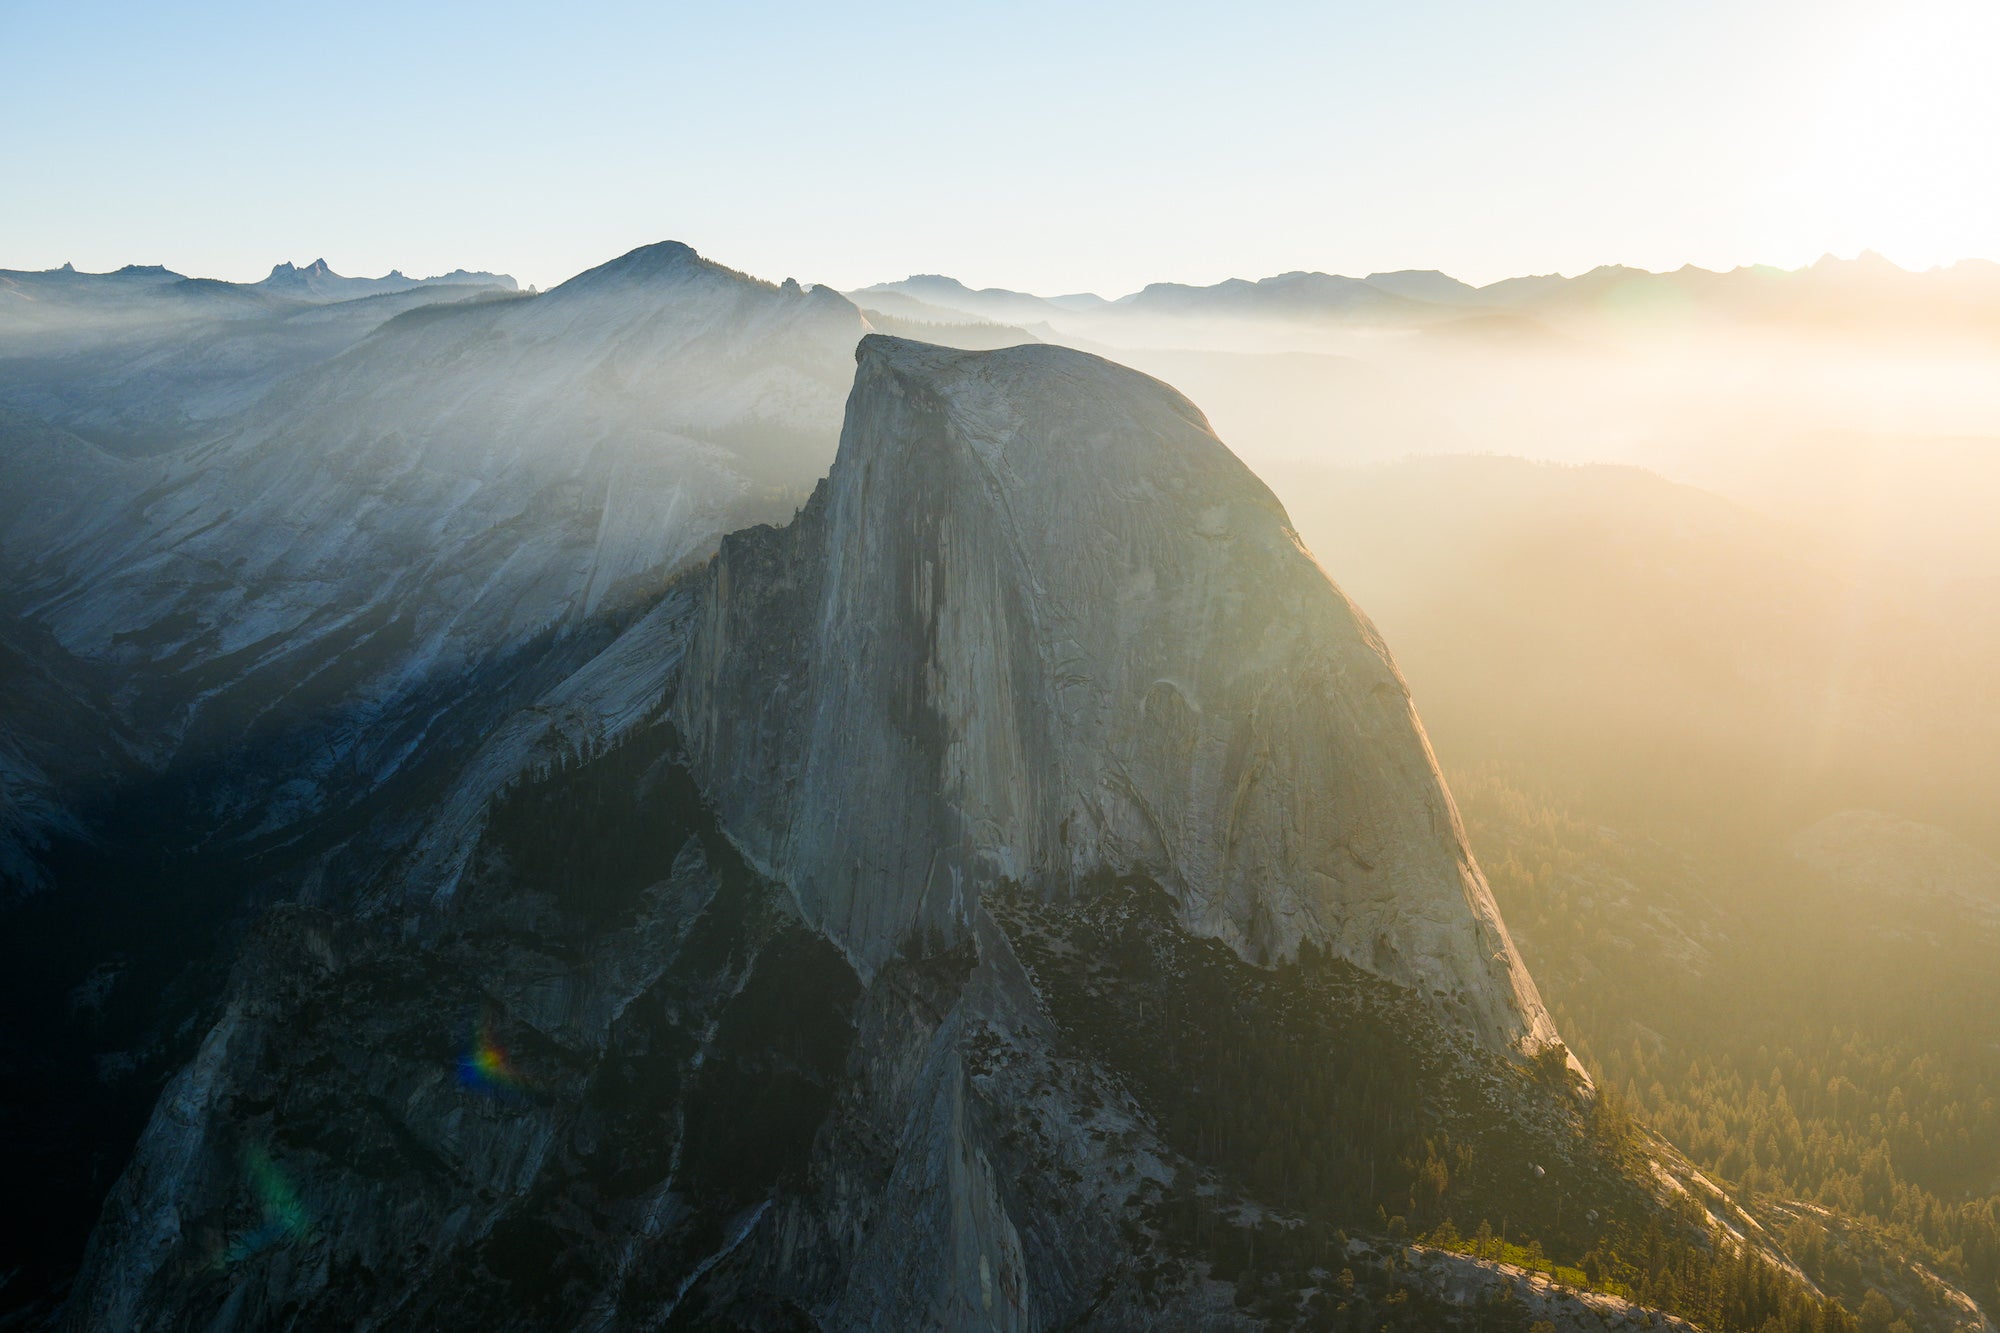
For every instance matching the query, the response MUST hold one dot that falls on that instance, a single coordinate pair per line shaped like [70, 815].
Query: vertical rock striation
[1039, 625]
[1040, 713]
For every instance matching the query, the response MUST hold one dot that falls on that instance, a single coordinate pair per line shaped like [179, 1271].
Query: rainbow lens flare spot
[483, 1066]
[285, 1216]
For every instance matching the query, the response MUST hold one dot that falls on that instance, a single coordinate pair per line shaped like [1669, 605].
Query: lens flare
[285, 1216]
[484, 1066]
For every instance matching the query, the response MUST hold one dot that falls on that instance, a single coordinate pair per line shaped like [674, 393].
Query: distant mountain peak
[1423, 284]
[936, 285]
[660, 256]
[318, 282]
[319, 268]
[670, 261]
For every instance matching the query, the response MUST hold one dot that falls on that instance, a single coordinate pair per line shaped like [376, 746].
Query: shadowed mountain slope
[1021, 898]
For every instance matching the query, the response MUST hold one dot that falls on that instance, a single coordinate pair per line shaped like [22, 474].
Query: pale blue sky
[1052, 147]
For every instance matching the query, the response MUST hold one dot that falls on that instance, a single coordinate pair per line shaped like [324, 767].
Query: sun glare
[1899, 157]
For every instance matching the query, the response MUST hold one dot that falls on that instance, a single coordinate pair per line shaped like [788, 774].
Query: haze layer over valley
[1693, 576]
[1849, 396]
[680, 799]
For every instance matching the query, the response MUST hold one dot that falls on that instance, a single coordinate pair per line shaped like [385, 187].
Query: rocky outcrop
[1039, 625]
[1016, 894]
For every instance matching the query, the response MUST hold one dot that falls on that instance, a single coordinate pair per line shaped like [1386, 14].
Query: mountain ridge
[317, 281]
[1869, 286]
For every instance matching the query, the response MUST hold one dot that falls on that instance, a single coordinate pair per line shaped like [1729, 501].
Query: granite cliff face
[1040, 626]
[941, 911]
[1015, 894]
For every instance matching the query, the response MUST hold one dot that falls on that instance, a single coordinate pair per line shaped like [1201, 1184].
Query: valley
[680, 800]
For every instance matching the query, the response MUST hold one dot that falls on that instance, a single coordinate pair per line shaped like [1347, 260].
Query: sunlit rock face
[1039, 625]
[856, 978]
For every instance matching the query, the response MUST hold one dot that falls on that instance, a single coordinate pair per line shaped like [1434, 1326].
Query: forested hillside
[1835, 1060]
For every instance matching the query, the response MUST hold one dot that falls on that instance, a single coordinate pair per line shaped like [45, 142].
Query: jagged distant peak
[457, 277]
[319, 281]
[319, 268]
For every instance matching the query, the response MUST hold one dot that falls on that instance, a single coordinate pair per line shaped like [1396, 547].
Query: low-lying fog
[1730, 559]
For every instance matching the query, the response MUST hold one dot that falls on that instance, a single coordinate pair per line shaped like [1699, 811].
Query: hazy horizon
[1059, 152]
[1109, 293]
